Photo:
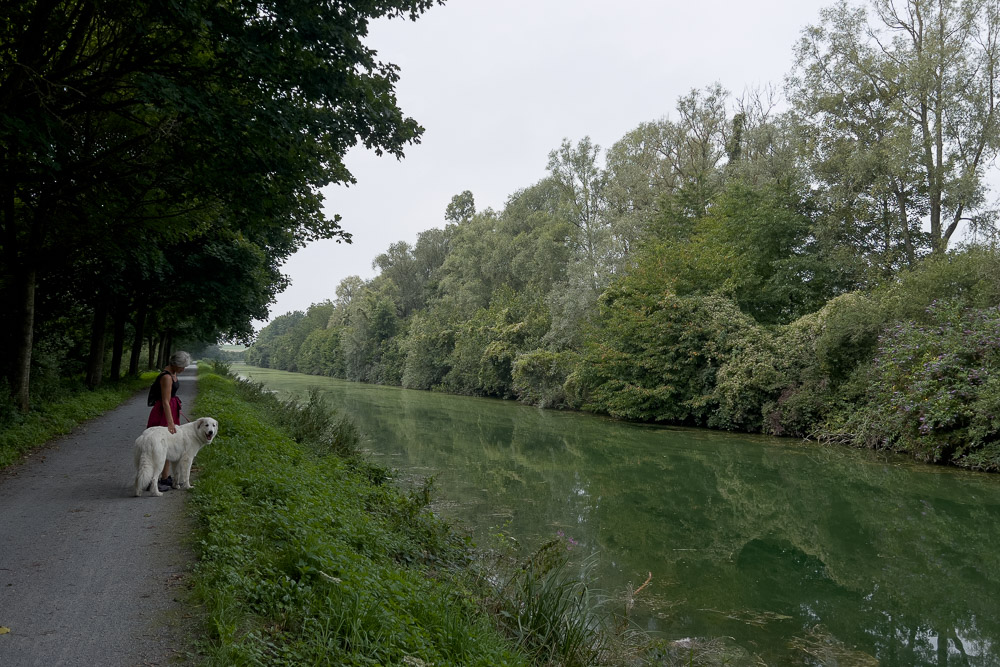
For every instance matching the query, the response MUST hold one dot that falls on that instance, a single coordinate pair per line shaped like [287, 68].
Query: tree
[903, 95]
[580, 180]
[119, 113]
[639, 176]
[754, 245]
[368, 340]
[698, 145]
[656, 354]
[461, 207]
[670, 169]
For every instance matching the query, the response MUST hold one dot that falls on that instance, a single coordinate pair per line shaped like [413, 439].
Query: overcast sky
[497, 84]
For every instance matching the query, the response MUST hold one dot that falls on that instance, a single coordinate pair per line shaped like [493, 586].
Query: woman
[167, 408]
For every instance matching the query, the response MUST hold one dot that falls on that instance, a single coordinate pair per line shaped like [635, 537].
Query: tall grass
[552, 614]
[313, 422]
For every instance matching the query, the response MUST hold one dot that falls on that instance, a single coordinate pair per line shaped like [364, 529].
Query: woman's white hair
[180, 359]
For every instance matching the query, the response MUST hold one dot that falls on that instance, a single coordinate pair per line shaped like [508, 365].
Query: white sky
[497, 84]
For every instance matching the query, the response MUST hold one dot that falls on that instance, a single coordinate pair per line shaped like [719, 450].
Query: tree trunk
[117, 346]
[153, 340]
[166, 350]
[904, 222]
[20, 373]
[140, 323]
[98, 336]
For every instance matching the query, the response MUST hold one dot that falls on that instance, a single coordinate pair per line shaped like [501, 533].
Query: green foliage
[784, 380]
[859, 77]
[931, 389]
[656, 355]
[177, 175]
[287, 350]
[539, 377]
[487, 346]
[313, 423]
[676, 285]
[753, 245]
[370, 350]
[461, 207]
[267, 349]
[754, 375]
[551, 616]
[970, 276]
[428, 346]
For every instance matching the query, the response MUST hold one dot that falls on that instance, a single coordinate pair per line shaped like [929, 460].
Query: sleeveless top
[155, 395]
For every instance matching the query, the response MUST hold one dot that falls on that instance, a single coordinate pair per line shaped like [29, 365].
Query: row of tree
[161, 159]
[731, 266]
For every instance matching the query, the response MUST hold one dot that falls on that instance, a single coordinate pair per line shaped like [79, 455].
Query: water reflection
[798, 553]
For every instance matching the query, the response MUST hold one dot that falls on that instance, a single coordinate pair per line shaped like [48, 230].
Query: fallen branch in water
[648, 579]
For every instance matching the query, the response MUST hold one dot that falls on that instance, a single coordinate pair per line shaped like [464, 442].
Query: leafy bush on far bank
[539, 377]
[657, 354]
[932, 389]
[785, 380]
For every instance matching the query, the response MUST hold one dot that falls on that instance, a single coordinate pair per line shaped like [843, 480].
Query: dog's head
[208, 428]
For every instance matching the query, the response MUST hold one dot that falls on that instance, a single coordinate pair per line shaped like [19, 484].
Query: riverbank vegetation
[308, 554]
[788, 266]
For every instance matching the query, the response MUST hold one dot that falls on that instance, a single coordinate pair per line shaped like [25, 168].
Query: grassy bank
[309, 555]
[20, 433]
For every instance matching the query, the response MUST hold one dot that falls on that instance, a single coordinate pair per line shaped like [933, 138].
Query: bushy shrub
[753, 375]
[970, 276]
[221, 367]
[931, 388]
[540, 376]
[387, 365]
[657, 354]
[846, 331]
[784, 380]
[546, 608]
[320, 353]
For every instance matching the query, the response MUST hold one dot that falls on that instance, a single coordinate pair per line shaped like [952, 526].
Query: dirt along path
[90, 574]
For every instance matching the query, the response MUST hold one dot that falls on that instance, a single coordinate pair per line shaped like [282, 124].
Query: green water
[793, 552]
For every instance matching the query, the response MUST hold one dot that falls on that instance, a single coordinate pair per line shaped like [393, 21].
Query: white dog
[157, 445]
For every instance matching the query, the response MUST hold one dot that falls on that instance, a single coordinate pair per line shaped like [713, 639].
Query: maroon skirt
[157, 418]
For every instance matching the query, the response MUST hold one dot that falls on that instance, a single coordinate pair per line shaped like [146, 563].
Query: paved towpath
[90, 574]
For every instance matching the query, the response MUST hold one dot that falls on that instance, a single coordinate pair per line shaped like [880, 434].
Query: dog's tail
[145, 473]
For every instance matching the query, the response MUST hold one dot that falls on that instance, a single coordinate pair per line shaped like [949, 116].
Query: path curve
[90, 574]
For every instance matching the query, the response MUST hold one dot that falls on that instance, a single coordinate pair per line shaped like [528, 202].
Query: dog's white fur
[157, 445]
